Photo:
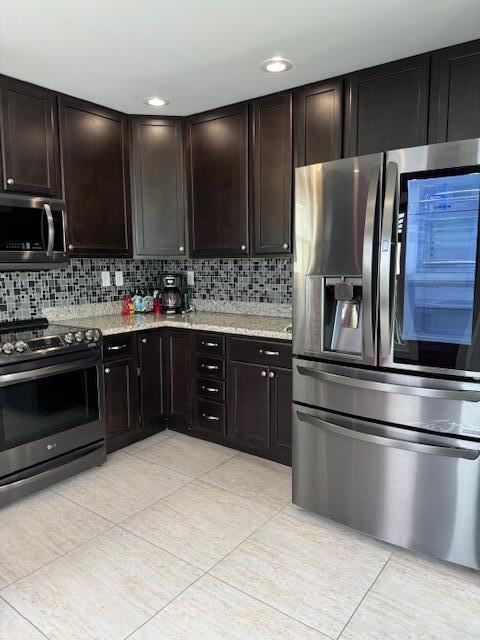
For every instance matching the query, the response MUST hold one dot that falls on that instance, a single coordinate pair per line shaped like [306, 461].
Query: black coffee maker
[173, 288]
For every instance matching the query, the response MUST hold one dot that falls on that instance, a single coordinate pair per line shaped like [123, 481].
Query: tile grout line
[23, 616]
[364, 596]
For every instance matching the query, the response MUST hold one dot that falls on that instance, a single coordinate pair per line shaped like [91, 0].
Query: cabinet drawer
[214, 389]
[210, 416]
[211, 367]
[210, 343]
[278, 354]
[119, 346]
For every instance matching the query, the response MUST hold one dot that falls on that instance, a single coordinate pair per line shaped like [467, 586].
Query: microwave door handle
[51, 229]
[388, 252]
[367, 267]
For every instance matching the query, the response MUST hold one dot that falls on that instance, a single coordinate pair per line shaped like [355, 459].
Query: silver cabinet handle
[215, 418]
[243, 247]
[51, 229]
[418, 447]
[117, 347]
[387, 387]
[10, 181]
[285, 245]
[181, 249]
[71, 247]
[210, 344]
[144, 341]
[210, 389]
[264, 374]
[210, 367]
[271, 374]
[266, 352]
[107, 369]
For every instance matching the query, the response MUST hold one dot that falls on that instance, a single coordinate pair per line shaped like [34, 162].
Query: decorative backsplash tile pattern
[23, 294]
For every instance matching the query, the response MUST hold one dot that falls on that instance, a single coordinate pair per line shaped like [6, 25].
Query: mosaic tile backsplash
[23, 294]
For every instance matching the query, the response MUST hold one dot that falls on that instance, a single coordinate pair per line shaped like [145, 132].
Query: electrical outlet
[119, 278]
[106, 281]
[190, 278]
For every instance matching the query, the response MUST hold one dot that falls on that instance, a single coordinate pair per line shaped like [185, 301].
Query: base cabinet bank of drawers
[236, 391]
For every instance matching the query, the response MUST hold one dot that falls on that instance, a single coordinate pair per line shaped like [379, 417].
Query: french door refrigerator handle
[466, 395]
[367, 272]
[387, 247]
[417, 447]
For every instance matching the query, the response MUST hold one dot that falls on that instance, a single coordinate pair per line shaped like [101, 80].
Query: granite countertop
[247, 325]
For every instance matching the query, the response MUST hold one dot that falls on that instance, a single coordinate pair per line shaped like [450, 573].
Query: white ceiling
[206, 53]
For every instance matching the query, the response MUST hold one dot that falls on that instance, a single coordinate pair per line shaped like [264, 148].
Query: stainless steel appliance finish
[51, 406]
[387, 429]
[34, 231]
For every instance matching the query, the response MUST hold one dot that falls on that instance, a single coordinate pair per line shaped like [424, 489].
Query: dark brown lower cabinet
[121, 407]
[281, 413]
[248, 410]
[151, 356]
[178, 369]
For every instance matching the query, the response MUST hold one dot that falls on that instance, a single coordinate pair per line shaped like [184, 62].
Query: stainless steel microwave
[32, 232]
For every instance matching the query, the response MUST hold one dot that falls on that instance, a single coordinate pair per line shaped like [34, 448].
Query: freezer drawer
[418, 491]
[427, 403]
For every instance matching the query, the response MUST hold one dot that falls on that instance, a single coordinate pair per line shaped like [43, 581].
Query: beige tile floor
[178, 539]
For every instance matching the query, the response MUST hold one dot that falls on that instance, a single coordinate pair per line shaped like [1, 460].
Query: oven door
[50, 409]
[429, 260]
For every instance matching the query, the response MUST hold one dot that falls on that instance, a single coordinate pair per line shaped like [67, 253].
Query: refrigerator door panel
[419, 402]
[429, 296]
[336, 237]
[413, 490]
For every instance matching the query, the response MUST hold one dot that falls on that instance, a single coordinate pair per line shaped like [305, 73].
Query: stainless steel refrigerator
[386, 369]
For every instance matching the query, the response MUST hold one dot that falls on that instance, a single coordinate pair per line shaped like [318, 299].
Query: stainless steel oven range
[52, 421]
[386, 414]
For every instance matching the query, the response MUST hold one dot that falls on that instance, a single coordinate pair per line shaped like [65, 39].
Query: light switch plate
[119, 278]
[106, 281]
[190, 278]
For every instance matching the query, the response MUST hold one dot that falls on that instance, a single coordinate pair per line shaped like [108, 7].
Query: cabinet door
[248, 410]
[158, 187]
[455, 99]
[387, 107]
[152, 380]
[281, 413]
[272, 174]
[95, 165]
[29, 135]
[218, 182]
[122, 424]
[318, 122]
[179, 368]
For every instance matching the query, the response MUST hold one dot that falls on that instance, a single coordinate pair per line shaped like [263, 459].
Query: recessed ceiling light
[155, 101]
[276, 65]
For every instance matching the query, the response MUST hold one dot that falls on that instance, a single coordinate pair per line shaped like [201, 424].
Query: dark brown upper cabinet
[29, 139]
[158, 187]
[271, 175]
[387, 107]
[94, 145]
[218, 182]
[455, 97]
[318, 122]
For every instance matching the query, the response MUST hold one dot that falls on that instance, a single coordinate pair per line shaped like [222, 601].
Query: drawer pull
[266, 352]
[210, 367]
[117, 347]
[209, 389]
[207, 417]
[210, 344]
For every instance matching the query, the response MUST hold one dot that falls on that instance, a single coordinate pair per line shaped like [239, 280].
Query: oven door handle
[51, 229]
[370, 438]
[8, 379]
[387, 387]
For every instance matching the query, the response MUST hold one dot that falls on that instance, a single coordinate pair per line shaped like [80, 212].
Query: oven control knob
[96, 335]
[79, 336]
[21, 346]
[89, 335]
[69, 337]
[8, 348]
